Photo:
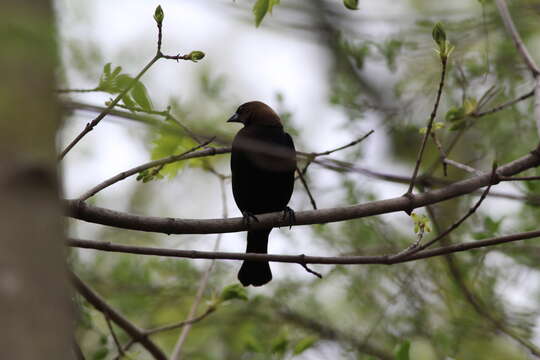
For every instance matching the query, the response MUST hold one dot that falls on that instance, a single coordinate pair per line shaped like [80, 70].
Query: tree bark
[34, 290]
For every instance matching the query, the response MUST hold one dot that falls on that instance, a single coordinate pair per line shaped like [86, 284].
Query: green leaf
[262, 7]
[107, 69]
[304, 344]
[253, 345]
[234, 291]
[167, 143]
[351, 4]
[100, 354]
[120, 82]
[128, 101]
[402, 351]
[140, 95]
[159, 15]
[279, 344]
[116, 71]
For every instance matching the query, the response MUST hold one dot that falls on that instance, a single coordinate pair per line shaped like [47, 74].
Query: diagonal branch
[518, 42]
[90, 126]
[137, 334]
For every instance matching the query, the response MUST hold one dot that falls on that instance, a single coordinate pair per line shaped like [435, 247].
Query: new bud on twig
[158, 15]
[351, 4]
[439, 36]
[196, 55]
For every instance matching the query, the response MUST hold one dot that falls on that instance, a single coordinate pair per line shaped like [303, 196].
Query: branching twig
[352, 143]
[416, 249]
[479, 306]
[90, 126]
[503, 106]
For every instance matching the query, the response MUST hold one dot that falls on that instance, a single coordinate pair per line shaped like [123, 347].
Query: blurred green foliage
[420, 310]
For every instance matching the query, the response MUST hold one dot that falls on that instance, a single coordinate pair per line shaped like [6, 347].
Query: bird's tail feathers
[256, 273]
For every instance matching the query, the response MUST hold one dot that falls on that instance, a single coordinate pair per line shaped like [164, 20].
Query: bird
[263, 162]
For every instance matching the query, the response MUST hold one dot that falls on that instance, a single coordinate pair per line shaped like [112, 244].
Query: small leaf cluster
[458, 117]
[150, 174]
[114, 82]
[421, 223]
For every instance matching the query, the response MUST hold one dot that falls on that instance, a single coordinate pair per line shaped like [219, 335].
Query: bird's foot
[289, 216]
[248, 217]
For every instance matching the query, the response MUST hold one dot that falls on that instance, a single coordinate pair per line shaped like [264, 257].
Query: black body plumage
[263, 162]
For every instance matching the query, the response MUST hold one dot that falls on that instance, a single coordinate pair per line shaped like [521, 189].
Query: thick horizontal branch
[300, 259]
[82, 211]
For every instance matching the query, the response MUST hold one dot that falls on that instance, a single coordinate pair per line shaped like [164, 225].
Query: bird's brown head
[256, 113]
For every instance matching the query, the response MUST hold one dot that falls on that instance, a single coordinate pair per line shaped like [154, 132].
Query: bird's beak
[235, 118]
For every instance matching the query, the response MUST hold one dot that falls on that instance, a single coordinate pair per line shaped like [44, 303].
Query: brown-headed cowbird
[263, 161]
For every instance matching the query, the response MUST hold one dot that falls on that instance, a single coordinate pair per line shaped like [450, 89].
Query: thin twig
[503, 106]
[311, 271]
[352, 143]
[441, 151]
[301, 176]
[181, 324]
[189, 154]
[191, 318]
[93, 298]
[463, 167]
[477, 304]
[116, 342]
[78, 90]
[429, 126]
